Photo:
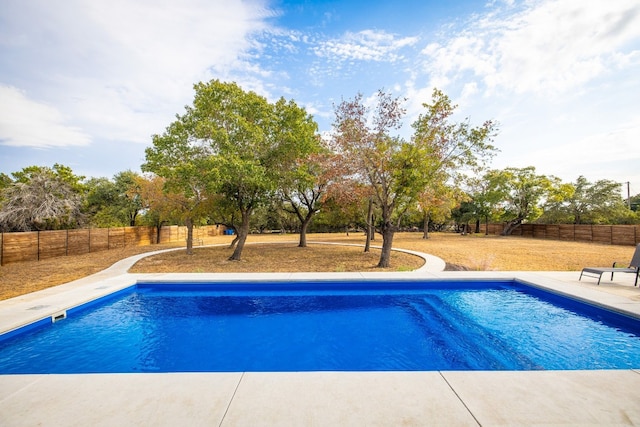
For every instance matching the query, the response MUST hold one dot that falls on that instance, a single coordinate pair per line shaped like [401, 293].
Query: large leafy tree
[116, 202]
[484, 198]
[521, 191]
[183, 161]
[634, 203]
[101, 196]
[235, 144]
[584, 202]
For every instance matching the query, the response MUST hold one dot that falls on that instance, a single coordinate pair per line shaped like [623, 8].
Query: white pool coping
[601, 397]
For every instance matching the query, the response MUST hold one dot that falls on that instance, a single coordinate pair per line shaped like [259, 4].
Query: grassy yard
[470, 252]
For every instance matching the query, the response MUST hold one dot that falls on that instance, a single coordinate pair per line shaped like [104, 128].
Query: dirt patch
[274, 258]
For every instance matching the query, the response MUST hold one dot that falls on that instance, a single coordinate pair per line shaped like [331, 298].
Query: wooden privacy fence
[605, 234]
[39, 245]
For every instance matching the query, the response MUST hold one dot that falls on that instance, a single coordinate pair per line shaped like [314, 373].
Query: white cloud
[123, 69]
[367, 45]
[28, 123]
[608, 154]
[548, 47]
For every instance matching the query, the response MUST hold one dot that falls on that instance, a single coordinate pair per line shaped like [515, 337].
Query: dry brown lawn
[470, 252]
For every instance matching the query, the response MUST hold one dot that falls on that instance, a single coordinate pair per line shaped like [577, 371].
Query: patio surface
[447, 398]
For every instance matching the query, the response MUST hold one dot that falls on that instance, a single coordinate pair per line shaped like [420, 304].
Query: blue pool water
[327, 326]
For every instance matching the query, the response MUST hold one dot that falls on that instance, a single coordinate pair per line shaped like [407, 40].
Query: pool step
[464, 342]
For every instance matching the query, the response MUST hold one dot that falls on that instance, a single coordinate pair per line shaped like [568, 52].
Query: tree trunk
[303, 232]
[425, 227]
[243, 232]
[234, 241]
[132, 219]
[370, 231]
[387, 244]
[373, 227]
[158, 228]
[477, 226]
[189, 223]
[510, 226]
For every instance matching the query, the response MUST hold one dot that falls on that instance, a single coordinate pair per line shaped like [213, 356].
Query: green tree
[129, 198]
[61, 172]
[521, 192]
[634, 202]
[584, 202]
[5, 181]
[184, 163]
[484, 198]
[233, 143]
[160, 207]
[114, 203]
[305, 189]
[376, 158]
[101, 196]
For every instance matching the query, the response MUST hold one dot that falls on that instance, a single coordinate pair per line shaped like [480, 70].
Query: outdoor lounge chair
[634, 268]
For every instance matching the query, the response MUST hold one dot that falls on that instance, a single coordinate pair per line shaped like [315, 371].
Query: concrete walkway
[579, 398]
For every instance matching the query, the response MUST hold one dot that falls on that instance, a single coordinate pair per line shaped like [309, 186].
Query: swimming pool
[326, 326]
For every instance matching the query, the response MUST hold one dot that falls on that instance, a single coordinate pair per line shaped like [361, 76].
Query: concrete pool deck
[448, 398]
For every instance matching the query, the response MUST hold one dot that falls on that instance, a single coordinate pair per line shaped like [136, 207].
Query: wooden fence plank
[604, 234]
[52, 244]
[18, 247]
[583, 233]
[79, 242]
[620, 235]
[33, 245]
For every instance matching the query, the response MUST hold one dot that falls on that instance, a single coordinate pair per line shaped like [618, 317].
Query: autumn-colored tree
[390, 167]
[436, 202]
[395, 171]
[160, 206]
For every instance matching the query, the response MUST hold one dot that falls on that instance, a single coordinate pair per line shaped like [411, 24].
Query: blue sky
[86, 83]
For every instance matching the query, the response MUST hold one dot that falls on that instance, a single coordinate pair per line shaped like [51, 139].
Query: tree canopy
[397, 172]
[235, 144]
